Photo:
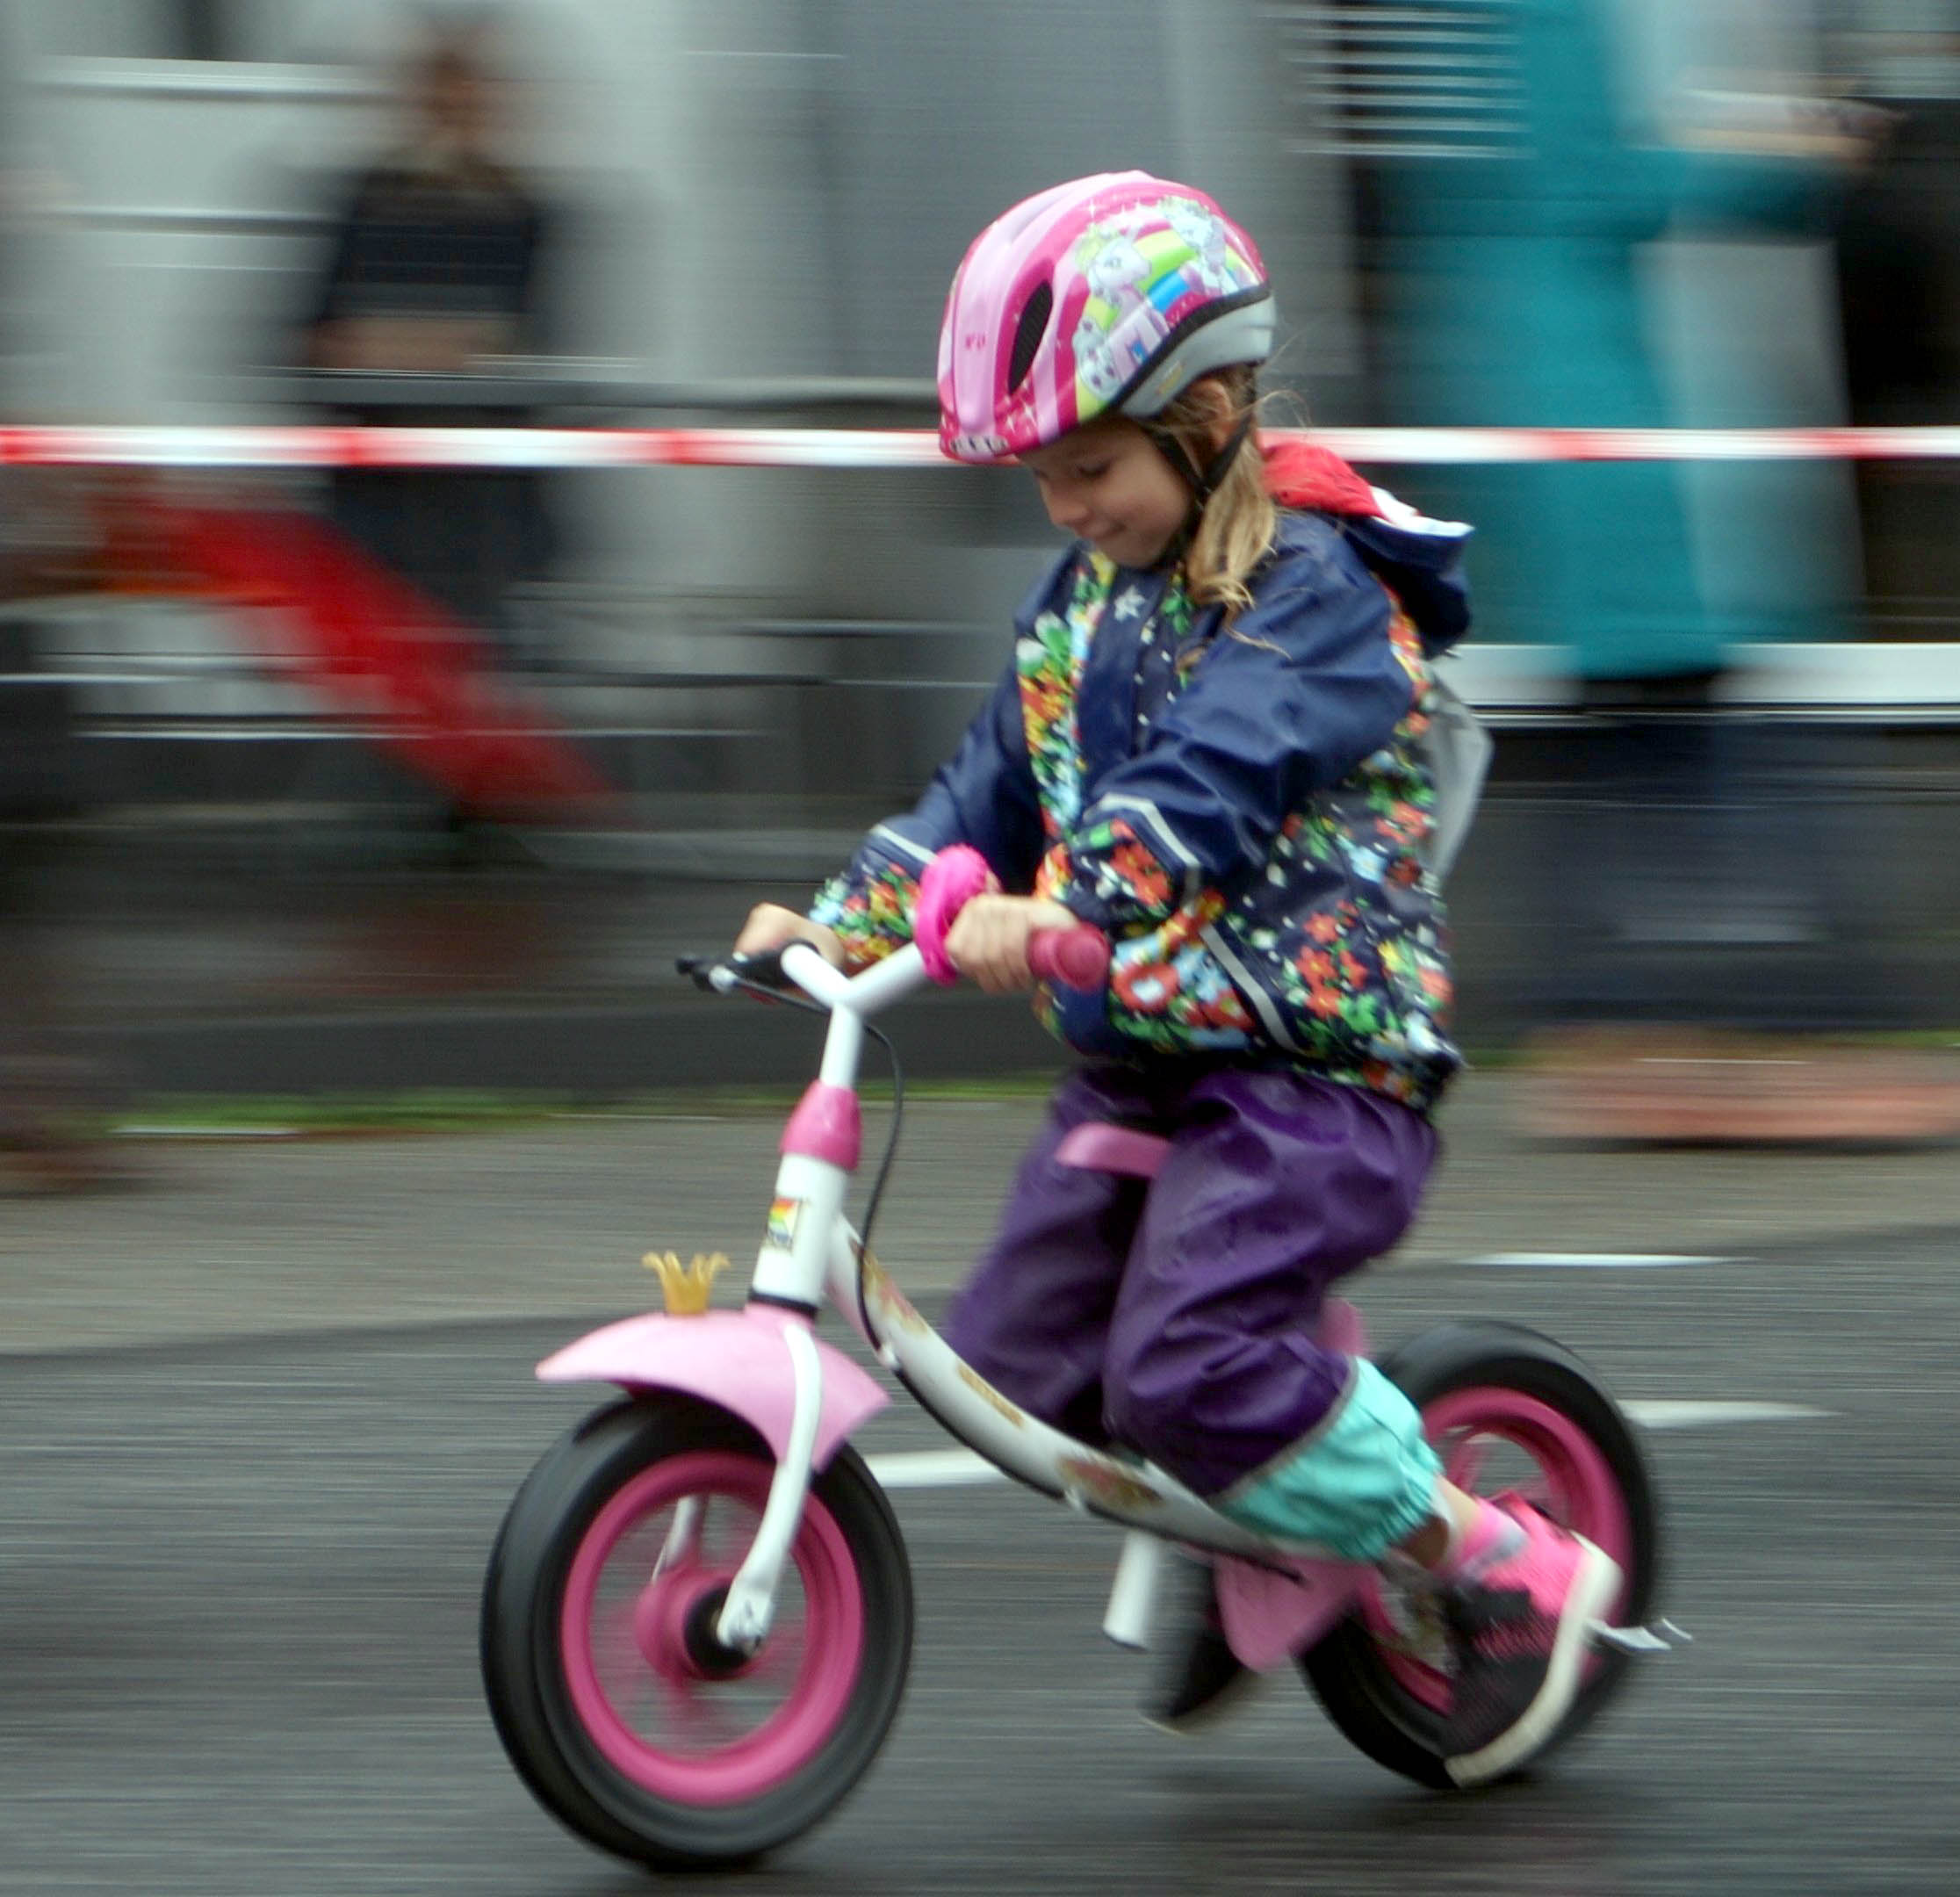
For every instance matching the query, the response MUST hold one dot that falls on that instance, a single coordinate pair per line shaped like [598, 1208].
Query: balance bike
[697, 1620]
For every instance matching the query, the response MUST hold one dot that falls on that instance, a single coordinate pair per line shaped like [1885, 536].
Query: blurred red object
[369, 643]
[1682, 1087]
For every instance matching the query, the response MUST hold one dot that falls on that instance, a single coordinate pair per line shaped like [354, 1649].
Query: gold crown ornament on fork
[685, 1286]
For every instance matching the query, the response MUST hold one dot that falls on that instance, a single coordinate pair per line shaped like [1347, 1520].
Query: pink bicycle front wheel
[614, 1698]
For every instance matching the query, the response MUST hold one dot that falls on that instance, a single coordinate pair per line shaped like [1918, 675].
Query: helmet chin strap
[1203, 483]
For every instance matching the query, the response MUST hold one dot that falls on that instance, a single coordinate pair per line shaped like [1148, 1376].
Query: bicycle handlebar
[723, 973]
[1076, 957]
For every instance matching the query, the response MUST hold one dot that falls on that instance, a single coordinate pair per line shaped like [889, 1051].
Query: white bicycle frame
[812, 1249]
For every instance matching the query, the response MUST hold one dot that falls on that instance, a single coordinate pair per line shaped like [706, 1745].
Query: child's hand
[770, 926]
[988, 941]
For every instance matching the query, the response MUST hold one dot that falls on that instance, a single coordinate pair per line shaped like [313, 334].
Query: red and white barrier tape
[268, 447]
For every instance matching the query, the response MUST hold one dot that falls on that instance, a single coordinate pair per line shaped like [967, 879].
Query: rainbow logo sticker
[782, 1223]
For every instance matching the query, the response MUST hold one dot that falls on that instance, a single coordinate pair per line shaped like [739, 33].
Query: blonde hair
[1237, 530]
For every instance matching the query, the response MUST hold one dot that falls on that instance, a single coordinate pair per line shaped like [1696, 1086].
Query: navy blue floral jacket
[1244, 808]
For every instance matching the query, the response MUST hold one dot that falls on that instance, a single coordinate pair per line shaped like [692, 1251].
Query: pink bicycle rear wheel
[1506, 1408]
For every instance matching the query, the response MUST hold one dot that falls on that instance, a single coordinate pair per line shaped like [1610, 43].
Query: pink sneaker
[1517, 1608]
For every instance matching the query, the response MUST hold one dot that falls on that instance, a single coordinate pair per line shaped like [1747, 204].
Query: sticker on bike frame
[782, 1223]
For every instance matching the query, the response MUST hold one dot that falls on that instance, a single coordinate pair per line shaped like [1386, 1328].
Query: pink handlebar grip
[1076, 957]
[952, 880]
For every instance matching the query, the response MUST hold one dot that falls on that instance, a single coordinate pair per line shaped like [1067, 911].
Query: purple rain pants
[1177, 1315]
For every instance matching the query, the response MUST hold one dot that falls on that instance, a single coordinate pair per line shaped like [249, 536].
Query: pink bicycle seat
[1096, 1146]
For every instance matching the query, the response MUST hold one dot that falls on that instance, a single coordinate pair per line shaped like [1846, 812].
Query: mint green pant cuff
[1363, 1481]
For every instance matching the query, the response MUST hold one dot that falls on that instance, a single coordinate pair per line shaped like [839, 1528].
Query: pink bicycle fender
[737, 1358]
[1340, 1329]
[1269, 1617]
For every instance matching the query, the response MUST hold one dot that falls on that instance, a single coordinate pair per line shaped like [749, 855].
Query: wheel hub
[673, 1627]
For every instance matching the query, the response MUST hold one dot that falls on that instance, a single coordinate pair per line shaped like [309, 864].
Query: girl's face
[1106, 483]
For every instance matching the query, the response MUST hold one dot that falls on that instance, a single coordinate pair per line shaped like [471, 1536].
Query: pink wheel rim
[1575, 1485]
[653, 1717]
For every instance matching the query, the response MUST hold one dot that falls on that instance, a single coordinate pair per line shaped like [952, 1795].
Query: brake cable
[697, 969]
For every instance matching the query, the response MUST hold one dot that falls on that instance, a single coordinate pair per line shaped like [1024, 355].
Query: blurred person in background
[1898, 261]
[1509, 290]
[436, 266]
[433, 285]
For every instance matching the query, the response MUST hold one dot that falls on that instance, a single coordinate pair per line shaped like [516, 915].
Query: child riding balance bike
[1200, 818]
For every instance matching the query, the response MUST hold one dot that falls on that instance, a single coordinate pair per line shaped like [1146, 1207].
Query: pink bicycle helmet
[1107, 295]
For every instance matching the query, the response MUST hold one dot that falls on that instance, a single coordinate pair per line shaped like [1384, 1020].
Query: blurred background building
[759, 209]
[1724, 213]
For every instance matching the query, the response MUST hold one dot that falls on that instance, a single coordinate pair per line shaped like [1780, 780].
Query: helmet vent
[1028, 333]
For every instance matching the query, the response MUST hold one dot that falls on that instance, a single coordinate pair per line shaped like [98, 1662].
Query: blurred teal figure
[1512, 283]
[1509, 294]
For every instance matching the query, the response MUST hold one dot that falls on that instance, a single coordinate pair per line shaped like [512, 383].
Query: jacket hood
[1419, 560]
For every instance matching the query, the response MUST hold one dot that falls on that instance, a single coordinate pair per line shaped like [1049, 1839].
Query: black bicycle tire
[1345, 1670]
[529, 1700]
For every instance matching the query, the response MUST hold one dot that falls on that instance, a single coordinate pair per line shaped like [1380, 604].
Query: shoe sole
[1593, 1589]
[1214, 1712]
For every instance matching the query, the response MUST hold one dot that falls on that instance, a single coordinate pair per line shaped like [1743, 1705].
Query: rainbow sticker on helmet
[1107, 294]
[1148, 271]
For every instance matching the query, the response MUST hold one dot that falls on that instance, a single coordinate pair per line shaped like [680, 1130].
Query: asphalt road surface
[239, 1578]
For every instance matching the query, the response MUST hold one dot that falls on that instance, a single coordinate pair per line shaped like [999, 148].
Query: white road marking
[963, 1468]
[932, 1468]
[1597, 1260]
[1664, 1414]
